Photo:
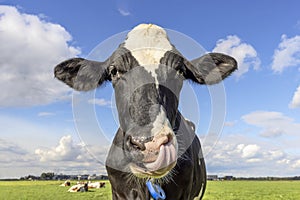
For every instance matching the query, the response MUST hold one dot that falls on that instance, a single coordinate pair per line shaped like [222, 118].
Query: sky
[248, 124]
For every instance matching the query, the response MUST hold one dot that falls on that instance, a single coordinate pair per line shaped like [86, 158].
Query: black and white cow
[154, 141]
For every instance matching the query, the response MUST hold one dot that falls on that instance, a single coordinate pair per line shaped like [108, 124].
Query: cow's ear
[81, 74]
[210, 68]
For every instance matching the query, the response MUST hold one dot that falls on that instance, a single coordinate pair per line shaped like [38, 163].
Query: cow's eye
[113, 72]
[180, 70]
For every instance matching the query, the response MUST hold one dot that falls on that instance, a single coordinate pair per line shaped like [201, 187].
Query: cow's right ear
[81, 74]
[211, 68]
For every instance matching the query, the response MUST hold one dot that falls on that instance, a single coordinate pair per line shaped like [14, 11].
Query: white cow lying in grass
[79, 188]
[66, 183]
[96, 185]
[83, 187]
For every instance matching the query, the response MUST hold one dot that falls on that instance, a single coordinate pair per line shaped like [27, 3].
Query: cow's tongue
[167, 155]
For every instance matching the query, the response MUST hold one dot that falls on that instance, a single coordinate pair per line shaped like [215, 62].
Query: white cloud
[122, 7]
[244, 53]
[123, 12]
[100, 102]
[65, 151]
[250, 151]
[287, 53]
[284, 161]
[241, 155]
[272, 132]
[266, 118]
[68, 150]
[230, 123]
[67, 157]
[296, 164]
[14, 160]
[273, 124]
[295, 103]
[45, 114]
[30, 48]
[276, 154]
[245, 153]
[11, 148]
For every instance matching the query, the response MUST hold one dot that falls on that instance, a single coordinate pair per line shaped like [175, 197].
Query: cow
[66, 183]
[81, 187]
[154, 142]
[96, 184]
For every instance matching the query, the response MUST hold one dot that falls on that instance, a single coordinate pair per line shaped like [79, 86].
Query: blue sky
[259, 135]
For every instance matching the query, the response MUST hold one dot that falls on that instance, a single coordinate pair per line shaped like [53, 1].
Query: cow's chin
[164, 163]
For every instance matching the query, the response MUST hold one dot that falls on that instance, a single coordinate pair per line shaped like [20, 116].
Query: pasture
[222, 190]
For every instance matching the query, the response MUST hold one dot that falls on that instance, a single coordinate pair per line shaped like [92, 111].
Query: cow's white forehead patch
[148, 43]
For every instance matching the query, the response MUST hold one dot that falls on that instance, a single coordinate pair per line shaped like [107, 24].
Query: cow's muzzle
[158, 153]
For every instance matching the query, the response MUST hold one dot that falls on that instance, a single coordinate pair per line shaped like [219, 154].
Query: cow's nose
[136, 143]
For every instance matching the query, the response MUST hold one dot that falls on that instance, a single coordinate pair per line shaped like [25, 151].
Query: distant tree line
[268, 178]
[44, 176]
[47, 176]
[53, 176]
[30, 177]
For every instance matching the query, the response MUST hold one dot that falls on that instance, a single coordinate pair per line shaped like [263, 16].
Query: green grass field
[223, 190]
[256, 190]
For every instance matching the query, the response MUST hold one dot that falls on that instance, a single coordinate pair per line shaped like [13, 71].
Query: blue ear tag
[155, 190]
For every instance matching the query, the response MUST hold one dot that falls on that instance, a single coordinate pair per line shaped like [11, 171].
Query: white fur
[162, 126]
[160, 122]
[148, 43]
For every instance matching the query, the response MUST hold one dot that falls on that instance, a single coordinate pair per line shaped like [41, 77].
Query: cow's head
[147, 73]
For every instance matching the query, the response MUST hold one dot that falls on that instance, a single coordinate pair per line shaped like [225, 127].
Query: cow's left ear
[81, 74]
[210, 68]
